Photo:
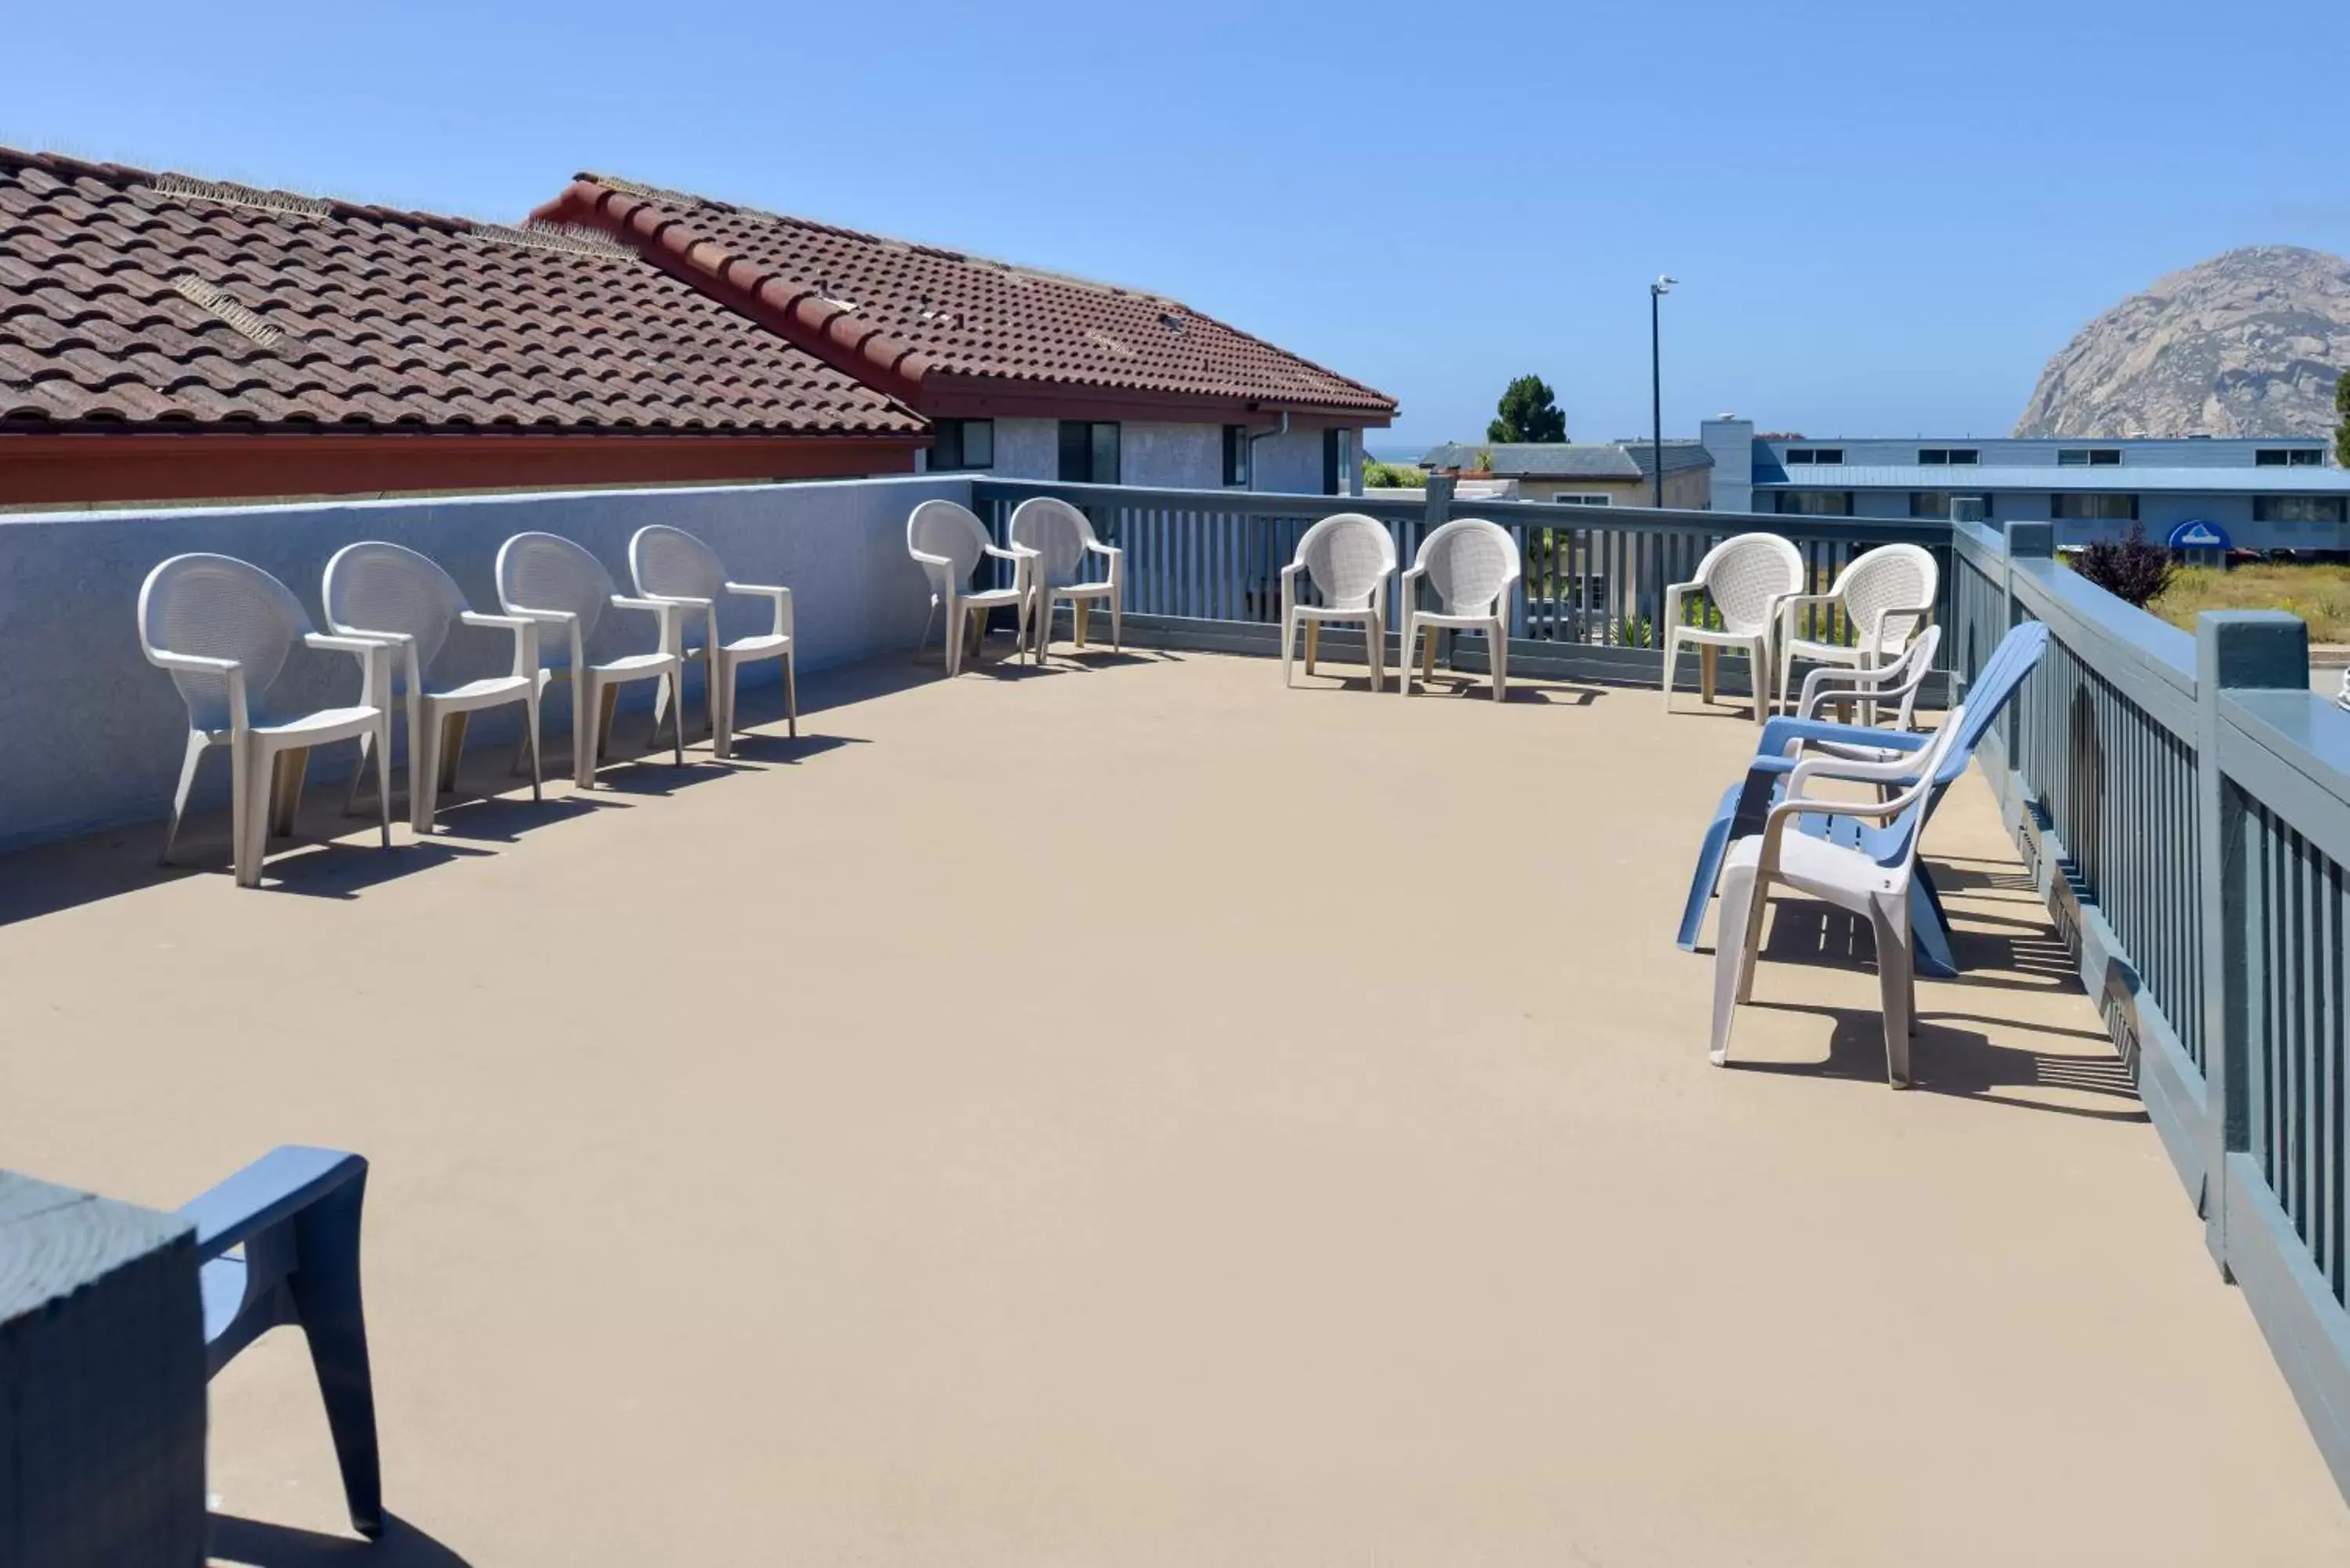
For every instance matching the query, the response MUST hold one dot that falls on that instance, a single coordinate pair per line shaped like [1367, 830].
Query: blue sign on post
[2199, 535]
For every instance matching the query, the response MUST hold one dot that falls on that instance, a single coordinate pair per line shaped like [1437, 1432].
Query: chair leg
[1701, 879]
[1411, 646]
[424, 741]
[383, 780]
[1672, 652]
[608, 710]
[956, 632]
[721, 707]
[587, 709]
[1498, 653]
[677, 725]
[1894, 984]
[1117, 626]
[188, 764]
[1732, 966]
[792, 692]
[285, 795]
[710, 659]
[328, 1304]
[1787, 671]
[251, 821]
[530, 738]
[1288, 648]
[1758, 662]
[1930, 926]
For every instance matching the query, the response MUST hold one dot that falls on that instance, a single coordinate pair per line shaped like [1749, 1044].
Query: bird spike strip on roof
[243, 195]
[204, 297]
[550, 237]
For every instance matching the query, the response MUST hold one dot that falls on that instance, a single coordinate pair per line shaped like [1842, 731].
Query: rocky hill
[2246, 344]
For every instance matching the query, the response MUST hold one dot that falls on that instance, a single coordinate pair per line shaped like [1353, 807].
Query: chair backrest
[545, 572]
[1468, 561]
[2002, 673]
[374, 586]
[1891, 576]
[943, 528]
[1915, 663]
[669, 561]
[1746, 573]
[1058, 533]
[1348, 555]
[218, 606]
[1896, 843]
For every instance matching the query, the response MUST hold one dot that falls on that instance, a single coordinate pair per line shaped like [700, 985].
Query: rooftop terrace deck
[1136, 1115]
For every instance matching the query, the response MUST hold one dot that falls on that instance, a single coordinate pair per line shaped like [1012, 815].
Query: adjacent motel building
[2269, 493]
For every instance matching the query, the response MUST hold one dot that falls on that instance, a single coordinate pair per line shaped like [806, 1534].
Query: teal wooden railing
[2184, 804]
[1203, 567]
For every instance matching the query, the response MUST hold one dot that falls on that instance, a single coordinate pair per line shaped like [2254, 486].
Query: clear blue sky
[1886, 217]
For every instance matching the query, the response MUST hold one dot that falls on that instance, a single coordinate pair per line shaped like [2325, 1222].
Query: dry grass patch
[2318, 594]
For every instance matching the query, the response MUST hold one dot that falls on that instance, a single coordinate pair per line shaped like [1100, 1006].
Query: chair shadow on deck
[255, 1543]
[1947, 1058]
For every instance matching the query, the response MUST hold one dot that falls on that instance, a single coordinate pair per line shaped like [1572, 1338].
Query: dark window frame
[2088, 457]
[1237, 456]
[1951, 498]
[2091, 506]
[1832, 455]
[1781, 499]
[2265, 509]
[950, 443]
[1083, 443]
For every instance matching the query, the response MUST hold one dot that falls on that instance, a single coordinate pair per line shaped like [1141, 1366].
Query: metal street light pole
[1657, 292]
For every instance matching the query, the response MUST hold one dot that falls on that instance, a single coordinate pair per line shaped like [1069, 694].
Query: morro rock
[2246, 344]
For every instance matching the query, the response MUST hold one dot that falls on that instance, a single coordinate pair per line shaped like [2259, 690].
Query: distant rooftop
[1965, 477]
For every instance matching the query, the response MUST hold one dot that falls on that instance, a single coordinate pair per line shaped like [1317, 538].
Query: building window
[2082, 507]
[1974, 508]
[2301, 509]
[2290, 457]
[1334, 446]
[1937, 455]
[1815, 503]
[1815, 455]
[2089, 457]
[1236, 455]
[1089, 452]
[1584, 498]
[962, 443]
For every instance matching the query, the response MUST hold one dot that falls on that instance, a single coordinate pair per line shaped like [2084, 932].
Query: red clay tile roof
[130, 297]
[907, 313]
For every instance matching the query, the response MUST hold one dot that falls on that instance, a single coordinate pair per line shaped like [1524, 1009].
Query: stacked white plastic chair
[1873, 878]
[555, 583]
[1350, 560]
[1887, 596]
[1897, 683]
[1473, 568]
[223, 628]
[948, 543]
[1746, 576]
[389, 593]
[673, 566]
[1063, 538]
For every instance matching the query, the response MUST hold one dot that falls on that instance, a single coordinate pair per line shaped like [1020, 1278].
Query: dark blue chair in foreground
[1745, 805]
[295, 1213]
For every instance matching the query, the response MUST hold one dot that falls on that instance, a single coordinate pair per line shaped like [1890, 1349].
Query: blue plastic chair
[295, 1213]
[1745, 805]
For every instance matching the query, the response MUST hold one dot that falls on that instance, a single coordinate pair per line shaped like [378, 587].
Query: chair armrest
[776, 591]
[687, 600]
[399, 641]
[1098, 548]
[1677, 590]
[526, 636]
[195, 663]
[1781, 734]
[927, 560]
[275, 1186]
[482, 618]
[367, 650]
[669, 612]
[1894, 770]
[1011, 553]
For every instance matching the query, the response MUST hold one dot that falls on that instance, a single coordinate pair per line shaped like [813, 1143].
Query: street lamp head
[1663, 285]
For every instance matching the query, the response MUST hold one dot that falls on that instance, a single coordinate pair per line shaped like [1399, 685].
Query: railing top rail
[1526, 513]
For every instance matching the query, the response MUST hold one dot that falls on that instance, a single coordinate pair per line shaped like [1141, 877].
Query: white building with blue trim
[2279, 494]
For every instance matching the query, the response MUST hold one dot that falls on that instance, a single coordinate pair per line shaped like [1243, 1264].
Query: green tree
[1529, 411]
[2342, 402]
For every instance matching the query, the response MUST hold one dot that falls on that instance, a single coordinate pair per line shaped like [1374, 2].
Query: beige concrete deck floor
[1139, 1116]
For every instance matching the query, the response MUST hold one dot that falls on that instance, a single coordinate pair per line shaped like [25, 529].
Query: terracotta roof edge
[794, 309]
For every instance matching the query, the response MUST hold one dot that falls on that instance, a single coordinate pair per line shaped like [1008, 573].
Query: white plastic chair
[554, 582]
[1063, 537]
[223, 628]
[1351, 560]
[1886, 596]
[1897, 683]
[672, 565]
[389, 593]
[1746, 576]
[1871, 878]
[950, 541]
[1474, 567]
